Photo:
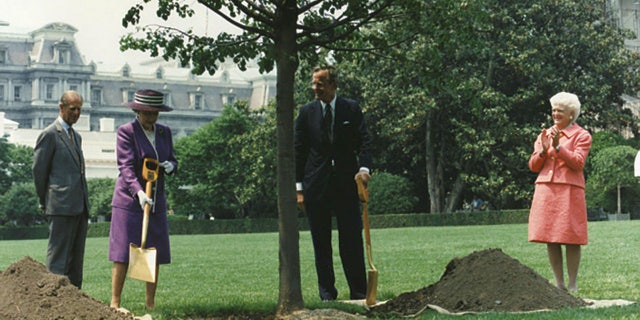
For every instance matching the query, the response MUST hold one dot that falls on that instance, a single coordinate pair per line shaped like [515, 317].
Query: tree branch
[236, 23]
[194, 37]
[308, 6]
[365, 18]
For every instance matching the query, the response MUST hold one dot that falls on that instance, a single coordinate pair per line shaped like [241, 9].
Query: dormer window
[126, 72]
[63, 57]
[62, 52]
[159, 73]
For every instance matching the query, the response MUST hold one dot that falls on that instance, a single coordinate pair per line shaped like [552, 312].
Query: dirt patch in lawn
[29, 291]
[483, 281]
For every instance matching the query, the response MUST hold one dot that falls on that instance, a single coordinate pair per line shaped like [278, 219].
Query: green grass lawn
[226, 273]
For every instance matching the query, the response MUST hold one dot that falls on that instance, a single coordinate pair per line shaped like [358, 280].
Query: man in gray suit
[58, 173]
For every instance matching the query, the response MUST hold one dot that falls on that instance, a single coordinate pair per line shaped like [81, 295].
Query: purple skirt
[126, 228]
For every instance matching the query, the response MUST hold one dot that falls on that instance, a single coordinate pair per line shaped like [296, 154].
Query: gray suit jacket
[58, 172]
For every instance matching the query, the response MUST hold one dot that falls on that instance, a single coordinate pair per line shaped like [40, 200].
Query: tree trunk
[619, 202]
[431, 167]
[290, 290]
[454, 197]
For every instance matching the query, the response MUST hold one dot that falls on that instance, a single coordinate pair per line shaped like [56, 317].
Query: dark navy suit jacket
[317, 157]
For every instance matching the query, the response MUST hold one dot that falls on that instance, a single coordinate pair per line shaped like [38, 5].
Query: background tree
[465, 91]
[100, 196]
[257, 161]
[20, 205]
[613, 170]
[21, 160]
[389, 193]
[210, 167]
[5, 161]
[274, 33]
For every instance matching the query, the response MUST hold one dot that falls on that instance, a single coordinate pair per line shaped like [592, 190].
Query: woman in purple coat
[136, 140]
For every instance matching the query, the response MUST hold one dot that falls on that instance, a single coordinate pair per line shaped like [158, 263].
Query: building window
[96, 96]
[49, 91]
[167, 98]
[73, 87]
[3, 56]
[159, 73]
[197, 101]
[63, 56]
[62, 53]
[2, 95]
[17, 93]
[128, 94]
[126, 72]
[228, 99]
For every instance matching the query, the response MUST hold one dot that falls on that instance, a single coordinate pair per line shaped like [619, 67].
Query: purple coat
[126, 215]
[131, 148]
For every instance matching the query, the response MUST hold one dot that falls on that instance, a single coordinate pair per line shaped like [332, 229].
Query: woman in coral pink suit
[558, 211]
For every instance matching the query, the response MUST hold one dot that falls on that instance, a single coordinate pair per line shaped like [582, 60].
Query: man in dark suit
[332, 147]
[58, 173]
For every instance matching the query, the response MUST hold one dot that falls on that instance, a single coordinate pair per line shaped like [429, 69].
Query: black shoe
[357, 296]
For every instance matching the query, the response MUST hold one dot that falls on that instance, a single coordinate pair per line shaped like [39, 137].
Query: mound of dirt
[483, 281]
[29, 291]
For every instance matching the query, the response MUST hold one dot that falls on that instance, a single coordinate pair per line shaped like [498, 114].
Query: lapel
[142, 136]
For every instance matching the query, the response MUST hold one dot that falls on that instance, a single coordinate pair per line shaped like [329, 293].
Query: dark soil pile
[29, 291]
[483, 281]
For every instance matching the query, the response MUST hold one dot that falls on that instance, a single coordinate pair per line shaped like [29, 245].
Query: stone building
[37, 67]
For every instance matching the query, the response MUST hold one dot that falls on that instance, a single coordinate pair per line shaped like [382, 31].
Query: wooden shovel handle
[145, 217]
[363, 193]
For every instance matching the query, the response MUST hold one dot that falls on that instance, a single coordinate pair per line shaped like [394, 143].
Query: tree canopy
[276, 33]
[464, 92]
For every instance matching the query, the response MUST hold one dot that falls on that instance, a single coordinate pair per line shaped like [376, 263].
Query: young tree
[613, 169]
[275, 32]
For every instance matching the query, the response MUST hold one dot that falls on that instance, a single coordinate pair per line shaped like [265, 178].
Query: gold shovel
[142, 261]
[372, 274]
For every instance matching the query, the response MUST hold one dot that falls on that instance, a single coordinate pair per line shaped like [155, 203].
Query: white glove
[168, 166]
[143, 199]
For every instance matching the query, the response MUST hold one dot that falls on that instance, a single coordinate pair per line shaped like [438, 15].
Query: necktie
[328, 122]
[73, 140]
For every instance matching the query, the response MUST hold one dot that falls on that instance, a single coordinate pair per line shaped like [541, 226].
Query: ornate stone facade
[37, 67]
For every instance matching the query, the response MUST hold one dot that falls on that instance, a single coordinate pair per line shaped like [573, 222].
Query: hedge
[181, 226]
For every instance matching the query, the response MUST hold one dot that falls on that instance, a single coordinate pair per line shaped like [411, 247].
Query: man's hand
[365, 176]
[143, 199]
[300, 201]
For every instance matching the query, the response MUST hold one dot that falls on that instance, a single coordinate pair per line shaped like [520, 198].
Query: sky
[99, 23]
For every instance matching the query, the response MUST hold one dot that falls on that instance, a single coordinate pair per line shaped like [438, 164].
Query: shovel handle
[363, 192]
[145, 217]
[150, 168]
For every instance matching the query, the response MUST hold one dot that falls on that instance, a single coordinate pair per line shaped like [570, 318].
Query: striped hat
[148, 100]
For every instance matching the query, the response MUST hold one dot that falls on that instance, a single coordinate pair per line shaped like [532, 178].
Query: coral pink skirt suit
[559, 210]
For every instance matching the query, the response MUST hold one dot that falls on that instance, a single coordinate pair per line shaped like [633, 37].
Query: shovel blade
[372, 287]
[142, 263]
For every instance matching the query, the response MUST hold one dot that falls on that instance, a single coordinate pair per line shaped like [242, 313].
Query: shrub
[389, 193]
[20, 205]
[100, 195]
